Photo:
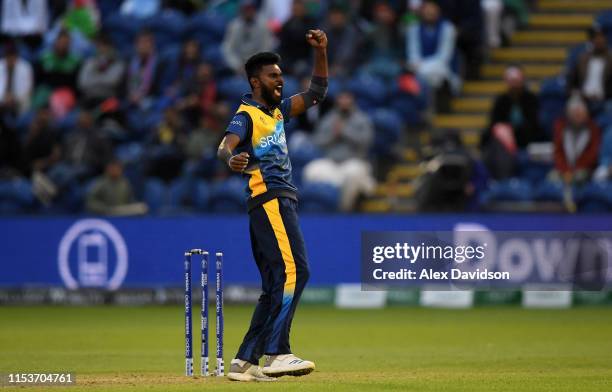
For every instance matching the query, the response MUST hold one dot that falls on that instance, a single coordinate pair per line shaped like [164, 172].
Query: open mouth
[278, 90]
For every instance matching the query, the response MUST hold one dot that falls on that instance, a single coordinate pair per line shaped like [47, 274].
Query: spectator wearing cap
[513, 124]
[246, 35]
[431, 47]
[101, 76]
[592, 74]
[577, 141]
[16, 82]
[344, 39]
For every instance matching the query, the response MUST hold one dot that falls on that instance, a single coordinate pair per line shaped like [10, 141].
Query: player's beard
[268, 95]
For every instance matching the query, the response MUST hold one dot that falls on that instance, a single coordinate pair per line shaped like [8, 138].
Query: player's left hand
[317, 39]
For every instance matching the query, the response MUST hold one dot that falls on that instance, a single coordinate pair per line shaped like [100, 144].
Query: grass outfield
[395, 349]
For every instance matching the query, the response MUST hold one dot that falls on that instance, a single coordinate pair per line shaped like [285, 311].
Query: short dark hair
[255, 62]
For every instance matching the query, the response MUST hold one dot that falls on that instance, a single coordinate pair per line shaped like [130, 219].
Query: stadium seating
[319, 198]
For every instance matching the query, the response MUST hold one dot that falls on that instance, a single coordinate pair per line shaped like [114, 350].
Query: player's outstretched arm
[318, 85]
[225, 152]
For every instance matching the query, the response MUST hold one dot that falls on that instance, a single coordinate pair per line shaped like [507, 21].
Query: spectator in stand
[185, 74]
[200, 96]
[41, 149]
[294, 49]
[577, 141]
[10, 153]
[27, 20]
[143, 72]
[513, 124]
[16, 82]
[112, 194]
[345, 135]
[467, 17]
[344, 39]
[246, 35]
[87, 149]
[57, 68]
[276, 12]
[101, 76]
[592, 74]
[431, 47]
[200, 148]
[82, 16]
[166, 156]
[383, 42]
[492, 12]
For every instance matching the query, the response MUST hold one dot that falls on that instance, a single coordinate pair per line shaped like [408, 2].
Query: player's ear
[254, 82]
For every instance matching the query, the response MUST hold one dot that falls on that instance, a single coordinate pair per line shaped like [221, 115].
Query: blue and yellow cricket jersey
[262, 136]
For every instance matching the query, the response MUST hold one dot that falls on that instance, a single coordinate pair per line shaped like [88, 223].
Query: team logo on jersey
[279, 117]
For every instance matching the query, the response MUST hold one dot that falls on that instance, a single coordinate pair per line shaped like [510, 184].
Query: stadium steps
[532, 71]
[461, 121]
[561, 20]
[529, 54]
[555, 37]
[541, 49]
[572, 5]
[472, 105]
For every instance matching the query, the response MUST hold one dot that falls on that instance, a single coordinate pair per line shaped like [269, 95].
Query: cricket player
[255, 145]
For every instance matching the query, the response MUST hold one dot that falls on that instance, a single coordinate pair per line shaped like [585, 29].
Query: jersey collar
[247, 99]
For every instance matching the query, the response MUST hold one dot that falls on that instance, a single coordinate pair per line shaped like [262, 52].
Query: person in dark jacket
[518, 107]
[296, 53]
[592, 74]
[513, 124]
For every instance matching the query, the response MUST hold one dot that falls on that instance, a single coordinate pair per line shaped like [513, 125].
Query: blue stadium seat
[604, 20]
[549, 191]
[319, 198]
[514, 189]
[16, 196]
[228, 196]
[573, 53]
[168, 27]
[552, 102]
[369, 90]
[407, 106]
[108, 7]
[291, 86]
[604, 119]
[168, 60]
[388, 126]
[207, 27]
[596, 197]
[155, 194]
[122, 30]
[336, 86]
[201, 196]
[212, 54]
[534, 172]
[232, 88]
[301, 153]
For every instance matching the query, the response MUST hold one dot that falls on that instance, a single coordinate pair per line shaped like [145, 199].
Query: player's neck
[259, 99]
